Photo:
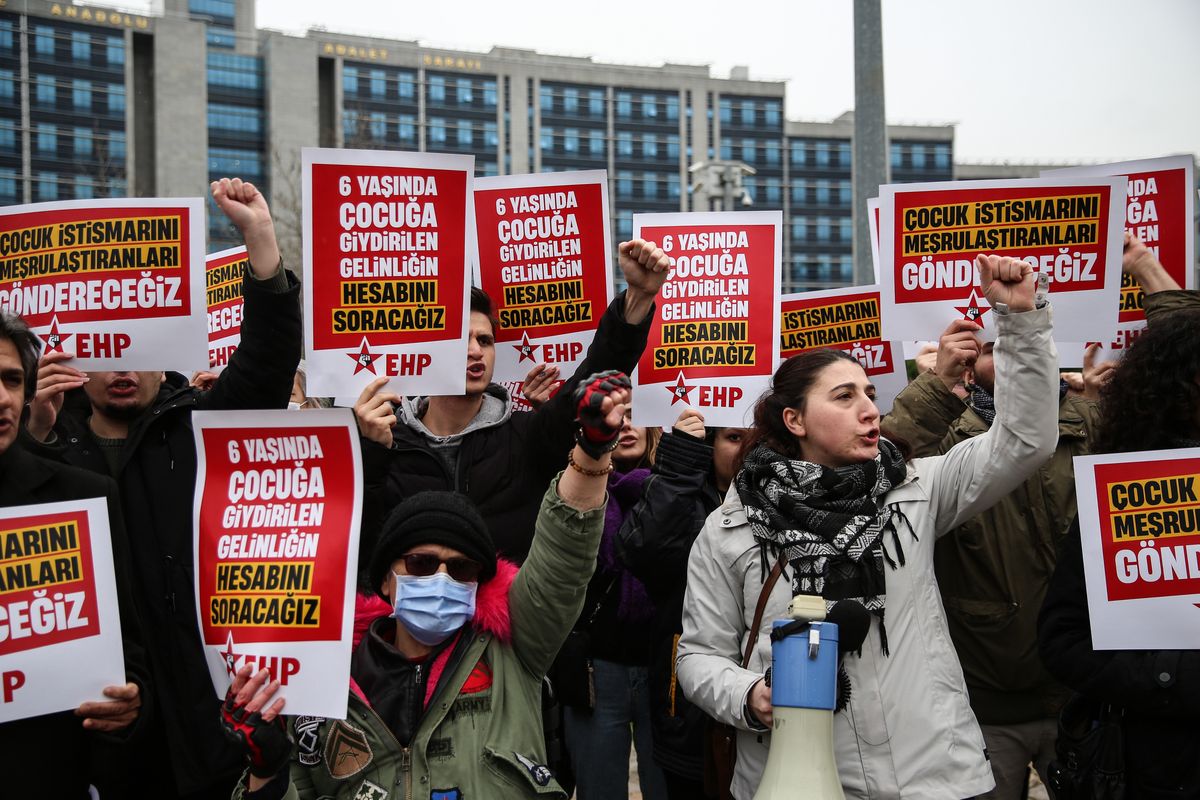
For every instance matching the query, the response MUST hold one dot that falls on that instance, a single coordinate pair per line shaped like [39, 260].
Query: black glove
[594, 435]
[266, 744]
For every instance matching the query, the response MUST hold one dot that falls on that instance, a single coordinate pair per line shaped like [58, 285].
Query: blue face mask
[433, 607]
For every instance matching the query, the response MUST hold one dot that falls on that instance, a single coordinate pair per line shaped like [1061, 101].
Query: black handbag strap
[591, 617]
[760, 608]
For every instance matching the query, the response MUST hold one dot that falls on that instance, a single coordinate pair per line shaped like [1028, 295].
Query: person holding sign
[840, 510]
[1152, 402]
[446, 694]
[136, 427]
[65, 768]
[473, 443]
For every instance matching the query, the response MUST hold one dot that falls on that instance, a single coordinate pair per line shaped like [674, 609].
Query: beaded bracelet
[594, 473]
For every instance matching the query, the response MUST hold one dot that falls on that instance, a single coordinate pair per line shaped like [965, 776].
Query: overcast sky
[1024, 80]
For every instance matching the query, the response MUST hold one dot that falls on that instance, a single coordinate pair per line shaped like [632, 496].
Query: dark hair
[483, 304]
[789, 386]
[14, 329]
[1152, 399]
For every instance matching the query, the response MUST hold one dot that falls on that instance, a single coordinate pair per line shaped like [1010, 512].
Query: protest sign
[1070, 229]
[223, 273]
[386, 277]
[277, 515]
[1139, 516]
[844, 319]
[1159, 210]
[544, 257]
[58, 608]
[713, 343]
[116, 282]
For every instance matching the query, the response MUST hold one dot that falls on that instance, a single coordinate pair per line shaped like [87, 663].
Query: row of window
[247, 164]
[573, 141]
[236, 119]
[823, 269]
[78, 142]
[569, 100]
[750, 150]
[817, 153]
[83, 46]
[648, 185]
[920, 156]
[751, 113]
[380, 84]
[376, 126]
[52, 186]
[85, 95]
[221, 9]
[234, 71]
[821, 229]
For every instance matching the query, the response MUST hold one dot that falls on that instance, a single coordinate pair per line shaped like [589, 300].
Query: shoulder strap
[760, 608]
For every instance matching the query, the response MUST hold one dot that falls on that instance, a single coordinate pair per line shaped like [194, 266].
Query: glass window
[649, 185]
[81, 95]
[81, 46]
[489, 97]
[772, 112]
[220, 37]
[8, 136]
[726, 149]
[8, 184]
[349, 80]
[624, 105]
[571, 140]
[800, 192]
[117, 187]
[378, 126]
[83, 142]
[845, 193]
[625, 224]
[595, 143]
[464, 91]
[673, 107]
[547, 139]
[749, 150]
[116, 51]
[47, 93]
[625, 184]
[649, 106]
[350, 125]
[571, 101]
[6, 38]
[7, 84]
[47, 186]
[437, 90]
[649, 146]
[437, 131]
[844, 232]
[625, 144]
[941, 156]
[234, 161]
[406, 84]
[799, 229]
[822, 153]
[799, 153]
[378, 84]
[673, 186]
[673, 146]
[748, 112]
[490, 169]
[43, 41]
[918, 156]
[116, 98]
[241, 119]
[774, 194]
[406, 127]
[491, 135]
[824, 229]
[234, 71]
[726, 111]
[771, 152]
[466, 133]
[547, 99]
[823, 193]
[843, 149]
[596, 102]
[750, 187]
[116, 145]
[47, 139]
[896, 156]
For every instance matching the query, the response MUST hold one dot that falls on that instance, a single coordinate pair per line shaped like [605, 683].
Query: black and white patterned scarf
[983, 403]
[828, 522]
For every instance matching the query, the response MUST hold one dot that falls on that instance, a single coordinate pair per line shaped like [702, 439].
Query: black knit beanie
[446, 518]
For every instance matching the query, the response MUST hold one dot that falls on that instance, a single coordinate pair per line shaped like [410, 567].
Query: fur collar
[491, 606]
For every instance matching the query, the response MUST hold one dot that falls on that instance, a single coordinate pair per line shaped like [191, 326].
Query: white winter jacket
[908, 731]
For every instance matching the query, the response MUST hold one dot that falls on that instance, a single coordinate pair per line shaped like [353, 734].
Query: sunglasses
[463, 570]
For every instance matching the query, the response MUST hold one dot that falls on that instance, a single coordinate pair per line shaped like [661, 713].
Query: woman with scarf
[606, 657]
[847, 517]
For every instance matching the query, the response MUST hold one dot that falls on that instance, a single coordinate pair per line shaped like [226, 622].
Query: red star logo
[679, 391]
[974, 310]
[364, 359]
[229, 657]
[54, 340]
[525, 348]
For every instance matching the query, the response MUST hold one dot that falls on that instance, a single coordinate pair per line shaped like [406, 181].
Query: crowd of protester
[539, 592]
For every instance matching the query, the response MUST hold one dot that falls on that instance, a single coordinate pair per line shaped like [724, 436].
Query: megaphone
[804, 661]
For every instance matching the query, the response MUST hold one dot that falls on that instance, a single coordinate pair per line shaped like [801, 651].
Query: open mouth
[871, 437]
[123, 387]
[476, 371]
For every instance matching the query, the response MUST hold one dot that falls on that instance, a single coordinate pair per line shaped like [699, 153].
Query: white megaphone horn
[804, 656]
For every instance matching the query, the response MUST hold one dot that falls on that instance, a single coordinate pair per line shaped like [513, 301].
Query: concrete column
[870, 166]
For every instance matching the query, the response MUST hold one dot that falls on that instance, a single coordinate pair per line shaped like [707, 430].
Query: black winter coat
[654, 542]
[506, 468]
[1159, 689]
[52, 755]
[157, 479]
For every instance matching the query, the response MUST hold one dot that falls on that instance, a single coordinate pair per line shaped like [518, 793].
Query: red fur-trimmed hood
[491, 606]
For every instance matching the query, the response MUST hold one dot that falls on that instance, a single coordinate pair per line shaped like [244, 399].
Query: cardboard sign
[1139, 516]
[60, 630]
[277, 515]
[713, 343]
[1159, 210]
[844, 319]
[223, 274]
[116, 282]
[1070, 229]
[544, 257]
[386, 274]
